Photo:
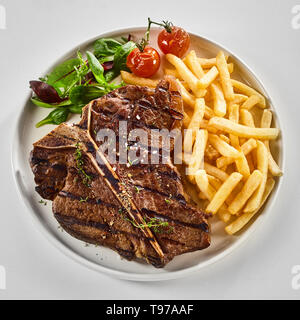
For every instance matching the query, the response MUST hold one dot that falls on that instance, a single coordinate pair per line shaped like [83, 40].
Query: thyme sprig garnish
[79, 165]
[157, 225]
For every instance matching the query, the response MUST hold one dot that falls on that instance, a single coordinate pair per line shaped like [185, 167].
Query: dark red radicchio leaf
[45, 92]
[108, 65]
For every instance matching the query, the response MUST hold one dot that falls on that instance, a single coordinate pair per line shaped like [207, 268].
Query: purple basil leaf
[45, 92]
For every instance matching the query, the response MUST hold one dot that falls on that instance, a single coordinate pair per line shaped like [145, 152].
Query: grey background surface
[260, 32]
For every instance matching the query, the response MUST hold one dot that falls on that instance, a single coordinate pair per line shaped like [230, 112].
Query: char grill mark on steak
[93, 214]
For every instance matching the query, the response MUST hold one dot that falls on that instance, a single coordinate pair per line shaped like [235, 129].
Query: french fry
[234, 117]
[202, 180]
[225, 138]
[239, 98]
[223, 192]
[198, 154]
[130, 78]
[243, 131]
[214, 171]
[262, 166]
[241, 221]
[219, 100]
[208, 113]
[215, 182]
[241, 163]
[208, 78]
[243, 88]
[266, 121]
[194, 65]
[208, 63]
[224, 76]
[186, 74]
[250, 102]
[247, 118]
[223, 214]
[246, 148]
[194, 125]
[186, 119]
[230, 67]
[186, 96]
[204, 125]
[223, 147]
[248, 189]
[211, 153]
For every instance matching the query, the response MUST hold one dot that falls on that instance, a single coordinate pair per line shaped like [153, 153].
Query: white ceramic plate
[103, 259]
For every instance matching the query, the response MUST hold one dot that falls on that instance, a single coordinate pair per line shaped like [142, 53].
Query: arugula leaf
[121, 56]
[42, 104]
[105, 47]
[56, 116]
[82, 95]
[96, 67]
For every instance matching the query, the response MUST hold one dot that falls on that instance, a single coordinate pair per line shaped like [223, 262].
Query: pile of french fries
[227, 156]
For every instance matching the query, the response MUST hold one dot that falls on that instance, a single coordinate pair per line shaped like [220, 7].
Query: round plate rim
[168, 275]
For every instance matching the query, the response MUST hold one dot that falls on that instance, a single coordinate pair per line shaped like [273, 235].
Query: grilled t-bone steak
[117, 205]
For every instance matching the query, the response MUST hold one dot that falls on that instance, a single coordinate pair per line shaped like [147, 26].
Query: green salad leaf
[121, 55]
[42, 104]
[96, 67]
[82, 95]
[106, 47]
[57, 116]
[63, 75]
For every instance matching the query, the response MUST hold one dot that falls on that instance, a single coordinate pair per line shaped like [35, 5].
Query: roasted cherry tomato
[143, 63]
[176, 42]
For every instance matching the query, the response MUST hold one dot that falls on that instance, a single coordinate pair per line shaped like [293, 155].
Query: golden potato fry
[198, 154]
[239, 98]
[248, 189]
[130, 78]
[224, 76]
[230, 67]
[241, 221]
[225, 138]
[224, 191]
[247, 118]
[208, 63]
[211, 153]
[243, 131]
[214, 171]
[186, 96]
[208, 78]
[234, 117]
[186, 74]
[262, 166]
[202, 180]
[241, 163]
[243, 88]
[223, 214]
[219, 100]
[215, 182]
[246, 148]
[223, 147]
[250, 102]
[194, 125]
[186, 119]
[266, 121]
[193, 64]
